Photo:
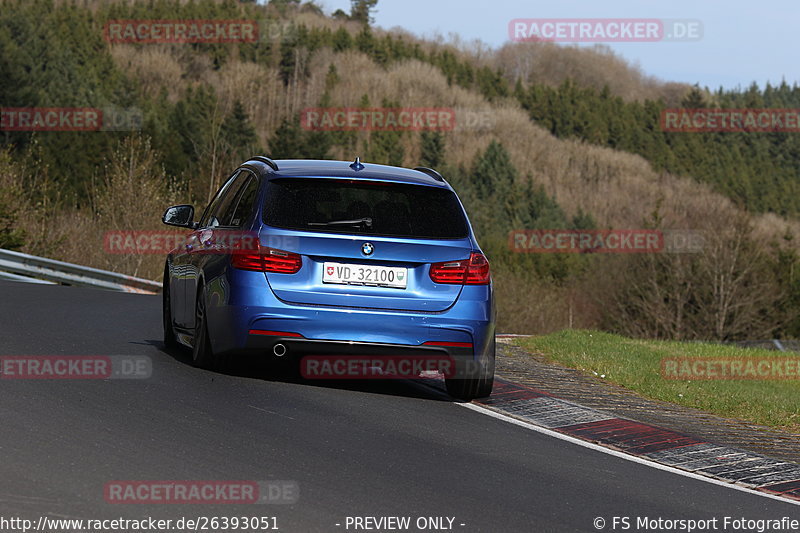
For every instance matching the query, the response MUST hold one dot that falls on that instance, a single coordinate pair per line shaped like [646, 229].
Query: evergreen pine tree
[238, 134]
[360, 11]
[432, 155]
[287, 142]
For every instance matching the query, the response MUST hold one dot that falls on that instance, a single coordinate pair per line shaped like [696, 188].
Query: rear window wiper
[366, 221]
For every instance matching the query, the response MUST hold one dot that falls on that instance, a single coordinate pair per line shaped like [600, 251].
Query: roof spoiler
[430, 172]
[264, 159]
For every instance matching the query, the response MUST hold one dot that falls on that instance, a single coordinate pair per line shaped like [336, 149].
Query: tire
[487, 381]
[471, 388]
[462, 389]
[202, 354]
[169, 333]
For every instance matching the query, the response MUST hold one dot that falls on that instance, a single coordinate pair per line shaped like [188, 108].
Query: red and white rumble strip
[694, 457]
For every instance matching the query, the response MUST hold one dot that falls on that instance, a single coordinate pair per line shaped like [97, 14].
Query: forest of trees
[52, 53]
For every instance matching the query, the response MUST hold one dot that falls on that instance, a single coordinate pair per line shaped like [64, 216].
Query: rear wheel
[169, 333]
[202, 355]
[480, 378]
[487, 383]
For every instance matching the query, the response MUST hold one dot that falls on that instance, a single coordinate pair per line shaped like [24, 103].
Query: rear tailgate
[384, 233]
[412, 260]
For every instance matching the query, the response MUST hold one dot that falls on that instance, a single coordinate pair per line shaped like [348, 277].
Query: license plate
[374, 275]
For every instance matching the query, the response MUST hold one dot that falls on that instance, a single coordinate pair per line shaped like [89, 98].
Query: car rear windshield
[364, 208]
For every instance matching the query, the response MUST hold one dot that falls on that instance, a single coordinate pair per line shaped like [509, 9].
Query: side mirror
[180, 215]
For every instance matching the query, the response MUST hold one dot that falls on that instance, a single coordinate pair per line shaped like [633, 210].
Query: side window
[240, 211]
[215, 201]
[225, 195]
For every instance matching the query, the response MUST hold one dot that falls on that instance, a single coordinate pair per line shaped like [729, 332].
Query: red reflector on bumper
[274, 333]
[451, 344]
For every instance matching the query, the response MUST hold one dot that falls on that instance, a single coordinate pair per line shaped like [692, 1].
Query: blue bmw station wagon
[298, 257]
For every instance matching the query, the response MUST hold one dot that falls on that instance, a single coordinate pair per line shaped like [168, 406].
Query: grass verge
[637, 365]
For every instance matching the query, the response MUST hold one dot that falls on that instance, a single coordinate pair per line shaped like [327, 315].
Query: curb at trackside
[725, 465]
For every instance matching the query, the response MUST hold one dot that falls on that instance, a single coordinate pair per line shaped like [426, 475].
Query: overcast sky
[742, 41]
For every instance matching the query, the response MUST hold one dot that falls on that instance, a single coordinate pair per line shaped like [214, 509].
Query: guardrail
[771, 344]
[18, 266]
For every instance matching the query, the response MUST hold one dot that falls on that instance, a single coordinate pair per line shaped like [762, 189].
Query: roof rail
[430, 172]
[264, 159]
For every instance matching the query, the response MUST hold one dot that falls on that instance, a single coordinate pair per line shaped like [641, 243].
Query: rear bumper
[258, 343]
[249, 305]
[324, 359]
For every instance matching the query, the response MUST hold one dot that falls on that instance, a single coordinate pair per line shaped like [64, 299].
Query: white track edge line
[622, 455]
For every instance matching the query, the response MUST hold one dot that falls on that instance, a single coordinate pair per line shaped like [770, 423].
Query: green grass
[636, 365]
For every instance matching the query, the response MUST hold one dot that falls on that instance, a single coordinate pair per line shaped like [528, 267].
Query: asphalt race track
[354, 449]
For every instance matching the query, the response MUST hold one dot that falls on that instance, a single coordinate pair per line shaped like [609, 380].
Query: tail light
[472, 271]
[267, 260]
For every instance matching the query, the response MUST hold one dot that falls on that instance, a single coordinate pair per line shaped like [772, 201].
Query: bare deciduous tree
[727, 291]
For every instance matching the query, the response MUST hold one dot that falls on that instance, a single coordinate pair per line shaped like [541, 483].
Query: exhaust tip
[279, 350]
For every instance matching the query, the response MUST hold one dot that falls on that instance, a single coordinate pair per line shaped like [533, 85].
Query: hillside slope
[206, 107]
